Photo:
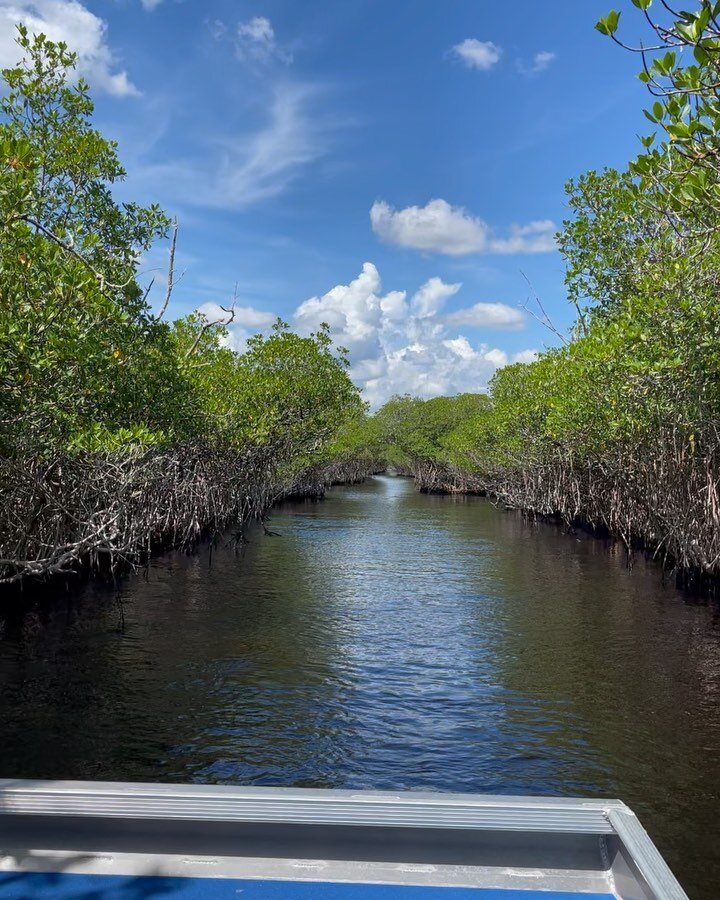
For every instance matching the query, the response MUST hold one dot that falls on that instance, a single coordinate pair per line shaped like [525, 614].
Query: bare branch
[215, 323]
[544, 319]
[171, 271]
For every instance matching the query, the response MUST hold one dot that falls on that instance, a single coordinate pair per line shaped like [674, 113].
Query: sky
[395, 168]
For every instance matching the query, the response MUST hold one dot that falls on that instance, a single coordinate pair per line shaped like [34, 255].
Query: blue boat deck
[107, 841]
[59, 886]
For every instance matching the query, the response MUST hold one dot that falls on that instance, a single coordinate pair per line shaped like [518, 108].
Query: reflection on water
[385, 639]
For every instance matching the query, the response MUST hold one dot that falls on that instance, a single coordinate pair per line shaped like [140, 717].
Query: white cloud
[535, 237]
[396, 344]
[477, 54]
[246, 317]
[150, 5]
[540, 62]
[233, 172]
[354, 313]
[487, 315]
[256, 41]
[82, 31]
[249, 317]
[431, 297]
[439, 227]
[216, 27]
[263, 165]
[430, 368]
[497, 357]
[525, 356]
[247, 320]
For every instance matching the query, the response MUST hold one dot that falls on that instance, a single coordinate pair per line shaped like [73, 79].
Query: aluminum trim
[305, 806]
[645, 855]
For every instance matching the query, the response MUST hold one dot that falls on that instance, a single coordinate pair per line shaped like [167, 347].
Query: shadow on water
[385, 639]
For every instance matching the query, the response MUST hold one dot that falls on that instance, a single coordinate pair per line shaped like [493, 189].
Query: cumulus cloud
[482, 55]
[150, 5]
[354, 313]
[398, 343]
[246, 321]
[246, 317]
[487, 315]
[82, 31]
[249, 317]
[256, 41]
[439, 227]
[431, 297]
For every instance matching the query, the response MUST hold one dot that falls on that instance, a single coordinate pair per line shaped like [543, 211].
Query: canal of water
[391, 640]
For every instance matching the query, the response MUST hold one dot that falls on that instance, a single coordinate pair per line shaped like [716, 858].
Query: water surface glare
[389, 640]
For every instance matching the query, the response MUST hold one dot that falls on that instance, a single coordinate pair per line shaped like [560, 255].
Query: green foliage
[678, 168]
[73, 324]
[621, 425]
[85, 367]
[419, 433]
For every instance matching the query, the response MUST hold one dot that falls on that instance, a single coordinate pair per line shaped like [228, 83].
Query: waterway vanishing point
[391, 640]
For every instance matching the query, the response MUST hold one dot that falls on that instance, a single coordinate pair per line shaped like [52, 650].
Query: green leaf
[642, 4]
[680, 131]
[702, 21]
[686, 32]
[609, 24]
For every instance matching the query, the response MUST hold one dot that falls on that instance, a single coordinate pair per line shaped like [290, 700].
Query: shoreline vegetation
[121, 432]
[618, 428]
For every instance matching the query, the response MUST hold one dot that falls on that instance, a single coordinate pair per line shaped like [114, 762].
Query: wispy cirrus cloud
[439, 227]
[270, 136]
[234, 170]
[263, 164]
[256, 41]
[71, 22]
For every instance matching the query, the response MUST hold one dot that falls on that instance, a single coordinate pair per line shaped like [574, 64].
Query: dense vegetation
[118, 430]
[620, 426]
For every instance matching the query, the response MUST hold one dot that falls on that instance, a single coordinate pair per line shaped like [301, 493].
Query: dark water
[385, 639]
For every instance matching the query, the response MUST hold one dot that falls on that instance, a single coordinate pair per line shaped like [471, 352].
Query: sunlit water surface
[385, 639]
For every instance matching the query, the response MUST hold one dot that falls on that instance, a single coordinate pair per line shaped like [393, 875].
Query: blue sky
[393, 167]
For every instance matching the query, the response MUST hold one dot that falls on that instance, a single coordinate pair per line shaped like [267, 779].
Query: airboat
[120, 841]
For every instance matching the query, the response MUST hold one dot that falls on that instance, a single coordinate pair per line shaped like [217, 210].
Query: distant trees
[419, 435]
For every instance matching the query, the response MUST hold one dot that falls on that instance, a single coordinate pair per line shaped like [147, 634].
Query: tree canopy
[91, 379]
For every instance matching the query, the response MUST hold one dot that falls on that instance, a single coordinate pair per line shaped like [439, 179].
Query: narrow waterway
[385, 639]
